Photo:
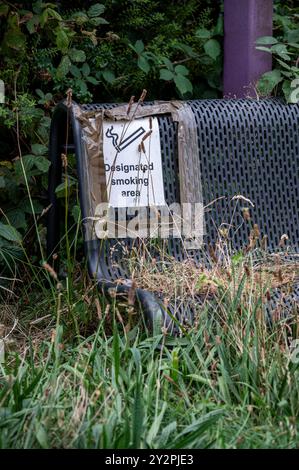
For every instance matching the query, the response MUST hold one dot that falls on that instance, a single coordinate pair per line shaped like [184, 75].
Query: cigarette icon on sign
[126, 142]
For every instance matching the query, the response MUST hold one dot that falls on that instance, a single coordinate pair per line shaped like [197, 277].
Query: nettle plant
[284, 78]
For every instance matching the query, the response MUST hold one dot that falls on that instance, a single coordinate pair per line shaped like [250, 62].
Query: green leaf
[268, 81]
[85, 69]
[77, 55]
[281, 50]
[24, 165]
[96, 10]
[287, 90]
[185, 48]
[9, 233]
[219, 28]
[137, 415]
[203, 33]
[54, 14]
[168, 63]
[108, 76]
[62, 39]
[25, 206]
[264, 49]
[143, 64]
[76, 213]
[14, 39]
[180, 69]
[64, 67]
[42, 437]
[42, 163]
[266, 40]
[293, 36]
[166, 74]
[98, 21]
[195, 430]
[82, 85]
[183, 84]
[39, 149]
[75, 71]
[139, 46]
[79, 17]
[60, 190]
[92, 80]
[16, 218]
[212, 48]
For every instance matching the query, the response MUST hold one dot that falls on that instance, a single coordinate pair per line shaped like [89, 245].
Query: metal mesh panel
[246, 147]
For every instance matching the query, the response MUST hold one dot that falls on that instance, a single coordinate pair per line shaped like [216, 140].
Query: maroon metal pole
[244, 22]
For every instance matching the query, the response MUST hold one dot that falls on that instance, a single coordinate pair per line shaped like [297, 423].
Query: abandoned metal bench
[247, 150]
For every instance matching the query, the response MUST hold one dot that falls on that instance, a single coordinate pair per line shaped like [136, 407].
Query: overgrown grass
[83, 373]
[229, 383]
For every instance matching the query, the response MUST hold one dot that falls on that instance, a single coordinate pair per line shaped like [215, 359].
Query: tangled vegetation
[82, 372]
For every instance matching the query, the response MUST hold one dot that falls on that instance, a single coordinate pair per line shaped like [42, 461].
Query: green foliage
[284, 47]
[104, 51]
[231, 383]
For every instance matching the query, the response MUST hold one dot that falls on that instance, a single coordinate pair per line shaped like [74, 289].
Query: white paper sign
[133, 166]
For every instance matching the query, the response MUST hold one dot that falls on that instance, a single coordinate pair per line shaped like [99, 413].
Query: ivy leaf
[77, 55]
[9, 233]
[212, 48]
[96, 10]
[266, 40]
[203, 33]
[183, 84]
[166, 74]
[143, 64]
[2, 182]
[268, 81]
[181, 70]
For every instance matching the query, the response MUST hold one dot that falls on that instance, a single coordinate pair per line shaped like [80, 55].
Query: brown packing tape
[92, 136]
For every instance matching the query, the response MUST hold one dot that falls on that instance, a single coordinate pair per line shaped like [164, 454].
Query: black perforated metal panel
[247, 148]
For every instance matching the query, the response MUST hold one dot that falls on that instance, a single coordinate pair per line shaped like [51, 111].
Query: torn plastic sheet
[188, 159]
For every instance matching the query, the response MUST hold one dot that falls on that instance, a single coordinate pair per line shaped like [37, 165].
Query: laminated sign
[132, 162]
